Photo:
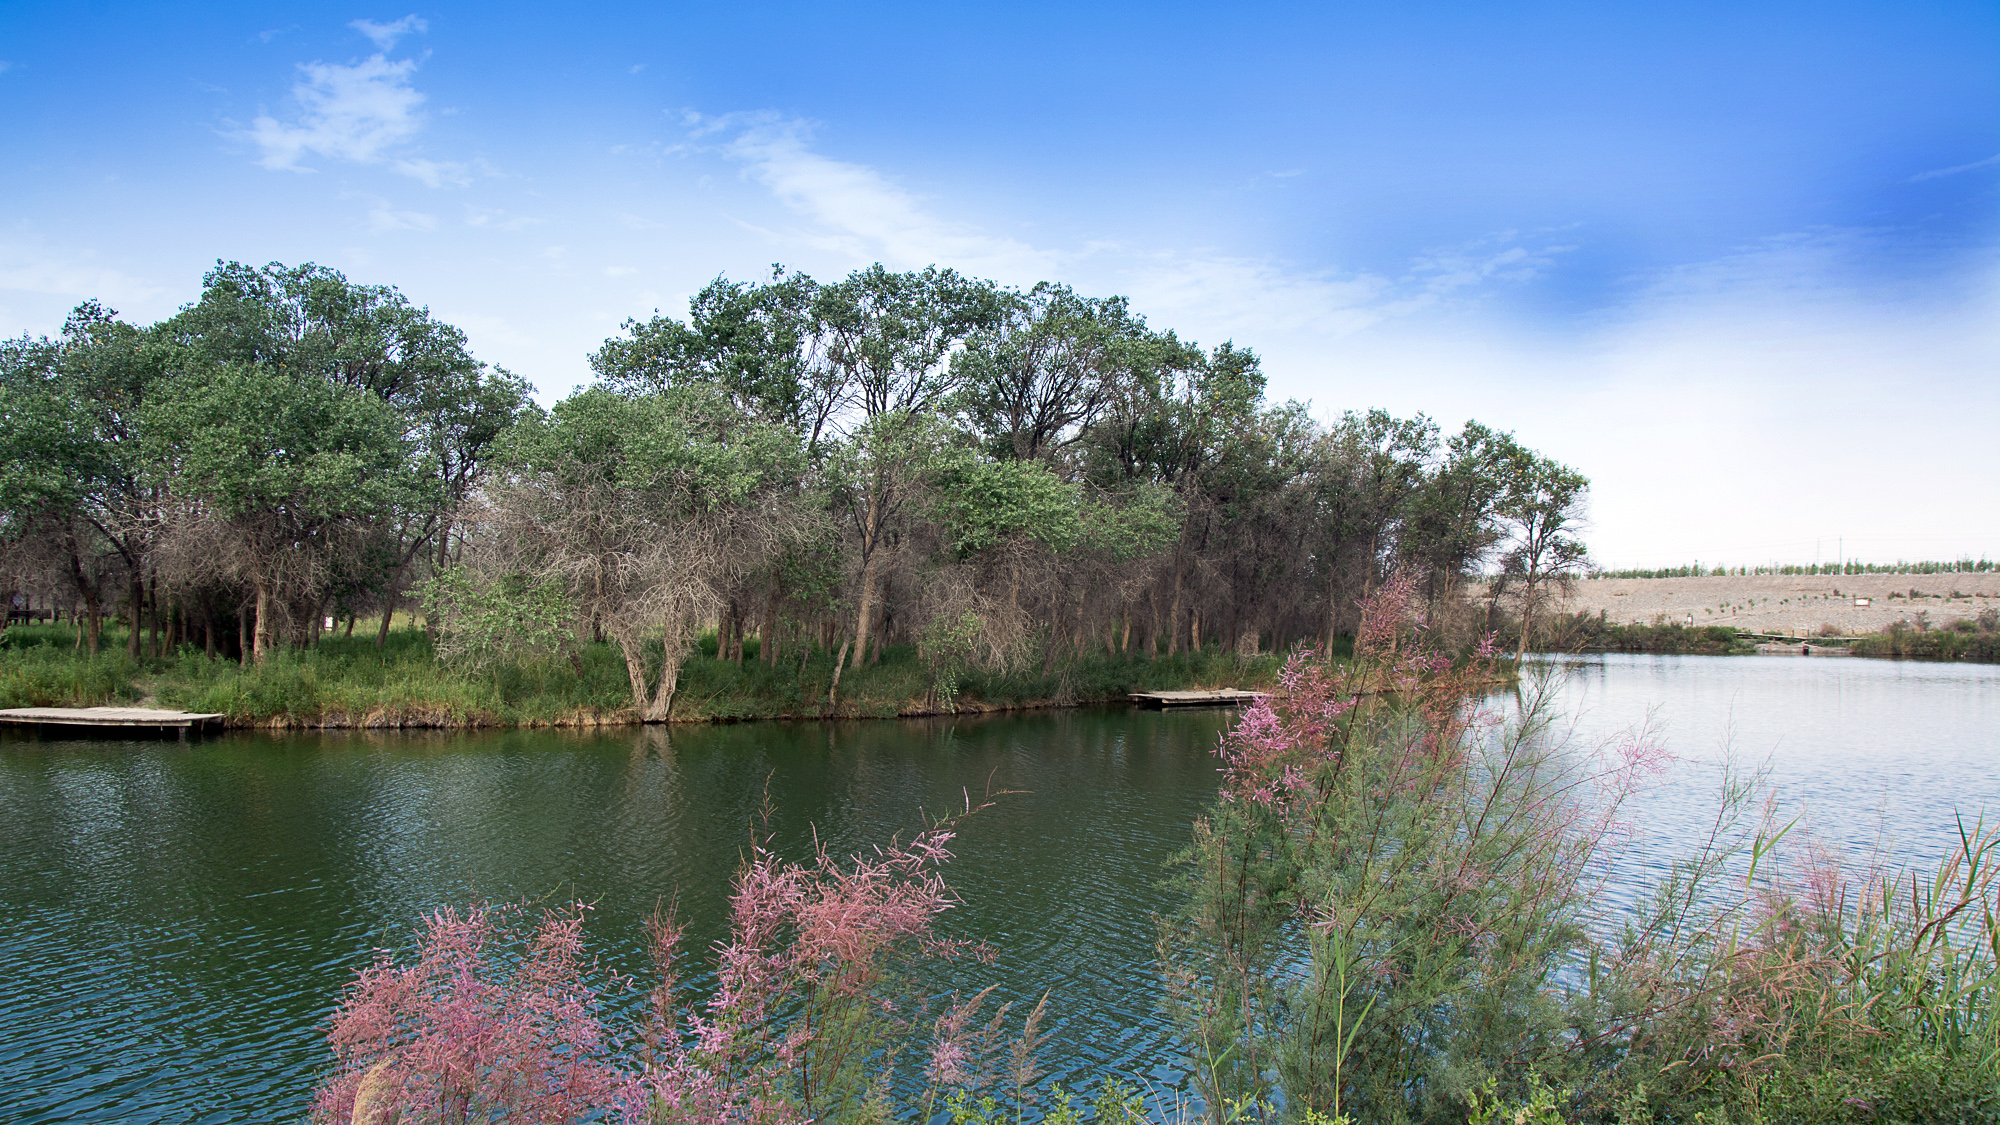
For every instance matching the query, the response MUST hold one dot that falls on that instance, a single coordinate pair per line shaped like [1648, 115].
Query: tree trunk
[662, 707]
[1527, 620]
[837, 664]
[867, 609]
[135, 597]
[767, 636]
[635, 669]
[261, 639]
[389, 606]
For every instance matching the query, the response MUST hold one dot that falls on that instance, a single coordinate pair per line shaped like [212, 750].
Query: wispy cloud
[366, 112]
[857, 212]
[73, 274]
[386, 34]
[384, 217]
[497, 219]
[1938, 173]
[355, 112]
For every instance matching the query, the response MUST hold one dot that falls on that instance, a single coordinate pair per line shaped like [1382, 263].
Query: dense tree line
[997, 476]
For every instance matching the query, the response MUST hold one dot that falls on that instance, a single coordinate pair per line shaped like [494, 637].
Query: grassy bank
[1590, 633]
[348, 682]
[1965, 640]
[1981, 645]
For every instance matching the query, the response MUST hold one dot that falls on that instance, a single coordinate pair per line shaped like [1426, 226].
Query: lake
[177, 920]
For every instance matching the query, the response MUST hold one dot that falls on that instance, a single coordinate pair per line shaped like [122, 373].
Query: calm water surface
[176, 921]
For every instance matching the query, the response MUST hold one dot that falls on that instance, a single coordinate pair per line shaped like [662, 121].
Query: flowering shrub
[813, 1004]
[460, 1035]
[1380, 905]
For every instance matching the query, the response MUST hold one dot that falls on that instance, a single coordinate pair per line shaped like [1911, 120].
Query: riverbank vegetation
[355, 682]
[978, 491]
[1697, 570]
[1394, 912]
[1964, 639]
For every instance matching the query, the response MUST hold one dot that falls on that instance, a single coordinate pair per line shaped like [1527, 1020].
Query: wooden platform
[124, 720]
[1801, 648]
[1220, 697]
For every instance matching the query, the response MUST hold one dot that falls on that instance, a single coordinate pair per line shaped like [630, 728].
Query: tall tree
[75, 490]
[316, 327]
[1035, 381]
[1544, 502]
[640, 511]
[292, 469]
[891, 336]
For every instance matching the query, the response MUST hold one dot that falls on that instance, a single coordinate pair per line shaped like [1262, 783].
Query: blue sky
[1737, 262]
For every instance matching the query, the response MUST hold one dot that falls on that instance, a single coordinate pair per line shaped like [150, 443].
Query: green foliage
[1592, 633]
[1976, 644]
[982, 503]
[259, 442]
[1697, 570]
[482, 621]
[50, 675]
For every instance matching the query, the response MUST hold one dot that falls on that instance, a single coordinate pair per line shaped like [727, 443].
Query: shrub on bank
[1585, 632]
[36, 674]
[348, 681]
[1976, 643]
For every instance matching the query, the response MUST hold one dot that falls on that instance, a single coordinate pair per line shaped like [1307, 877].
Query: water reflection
[177, 920]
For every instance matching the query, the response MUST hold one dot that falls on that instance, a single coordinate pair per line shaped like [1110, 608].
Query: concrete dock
[1220, 697]
[101, 721]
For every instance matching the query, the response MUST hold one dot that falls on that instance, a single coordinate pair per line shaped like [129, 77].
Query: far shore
[1788, 604]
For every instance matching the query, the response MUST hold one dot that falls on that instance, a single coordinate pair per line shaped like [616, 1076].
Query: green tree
[312, 323]
[77, 505]
[290, 470]
[891, 338]
[1543, 500]
[640, 511]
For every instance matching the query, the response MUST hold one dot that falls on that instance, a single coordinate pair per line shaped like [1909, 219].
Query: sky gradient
[1740, 264]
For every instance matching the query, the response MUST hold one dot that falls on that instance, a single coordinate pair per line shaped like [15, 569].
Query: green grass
[38, 668]
[348, 682]
[1585, 633]
[1968, 644]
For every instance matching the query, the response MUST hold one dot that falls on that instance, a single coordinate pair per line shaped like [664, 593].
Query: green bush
[51, 675]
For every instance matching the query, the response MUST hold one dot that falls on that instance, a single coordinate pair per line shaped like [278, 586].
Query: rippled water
[176, 920]
[1873, 758]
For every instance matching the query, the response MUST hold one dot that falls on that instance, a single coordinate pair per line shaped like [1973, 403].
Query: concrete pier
[1220, 697]
[101, 721]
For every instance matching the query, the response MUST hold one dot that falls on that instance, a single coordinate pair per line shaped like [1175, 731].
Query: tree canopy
[918, 457]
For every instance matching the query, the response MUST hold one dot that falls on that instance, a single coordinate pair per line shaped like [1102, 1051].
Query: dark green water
[176, 921]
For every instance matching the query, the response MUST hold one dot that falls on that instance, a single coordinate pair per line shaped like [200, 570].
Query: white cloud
[497, 219]
[386, 34]
[859, 212]
[366, 112]
[1955, 169]
[383, 218]
[433, 173]
[619, 271]
[352, 112]
[71, 274]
